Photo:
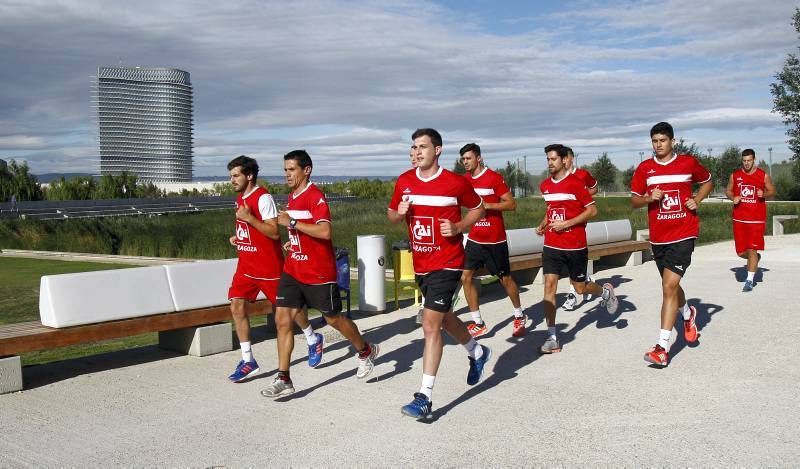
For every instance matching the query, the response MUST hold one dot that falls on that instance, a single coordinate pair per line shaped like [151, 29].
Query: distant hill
[50, 177]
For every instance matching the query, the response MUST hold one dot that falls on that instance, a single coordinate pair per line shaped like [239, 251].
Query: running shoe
[610, 298]
[366, 364]
[588, 296]
[748, 286]
[243, 371]
[570, 302]
[657, 356]
[315, 352]
[421, 408]
[278, 388]
[477, 330]
[476, 366]
[519, 326]
[550, 345]
[689, 326]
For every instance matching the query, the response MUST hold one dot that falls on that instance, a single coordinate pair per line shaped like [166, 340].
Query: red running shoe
[689, 327]
[519, 326]
[657, 356]
[477, 330]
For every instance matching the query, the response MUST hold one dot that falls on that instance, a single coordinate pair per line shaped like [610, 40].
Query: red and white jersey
[439, 197]
[311, 260]
[566, 199]
[588, 180]
[751, 208]
[669, 219]
[259, 256]
[490, 186]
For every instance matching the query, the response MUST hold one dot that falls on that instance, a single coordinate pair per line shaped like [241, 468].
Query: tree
[786, 94]
[627, 176]
[458, 168]
[728, 161]
[17, 180]
[605, 172]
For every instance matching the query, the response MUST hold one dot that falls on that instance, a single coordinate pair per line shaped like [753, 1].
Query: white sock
[427, 385]
[518, 312]
[751, 276]
[311, 338]
[663, 338]
[686, 312]
[572, 290]
[552, 332]
[473, 351]
[476, 316]
[247, 352]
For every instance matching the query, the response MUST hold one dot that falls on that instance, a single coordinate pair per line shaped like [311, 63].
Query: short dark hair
[436, 137]
[301, 156]
[749, 151]
[473, 147]
[248, 165]
[560, 149]
[663, 128]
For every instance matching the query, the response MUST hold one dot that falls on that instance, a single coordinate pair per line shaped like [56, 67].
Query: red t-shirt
[311, 260]
[490, 186]
[751, 208]
[566, 199]
[259, 256]
[439, 197]
[669, 219]
[588, 180]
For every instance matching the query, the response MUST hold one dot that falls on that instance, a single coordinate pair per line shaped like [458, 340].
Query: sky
[349, 81]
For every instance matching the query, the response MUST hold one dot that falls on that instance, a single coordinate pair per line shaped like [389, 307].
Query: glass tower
[145, 122]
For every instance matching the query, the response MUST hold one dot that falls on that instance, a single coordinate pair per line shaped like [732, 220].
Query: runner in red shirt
[260, 258]
[486, 241]
[309, 273]
[664, 184]
[569, 208]
[591, 185]
[429, 199]
[749, 187]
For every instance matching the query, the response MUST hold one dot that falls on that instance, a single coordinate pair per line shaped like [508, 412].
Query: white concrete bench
[777, 223]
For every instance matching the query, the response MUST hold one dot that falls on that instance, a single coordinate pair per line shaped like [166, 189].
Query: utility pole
[641, 157]
[709, 151]
[770, 161]
[525, 174]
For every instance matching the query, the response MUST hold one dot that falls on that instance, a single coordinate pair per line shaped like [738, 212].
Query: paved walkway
[728, 401]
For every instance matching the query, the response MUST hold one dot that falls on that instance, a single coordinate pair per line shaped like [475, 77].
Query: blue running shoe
[476, 366]
[420, 408]
[243, 371]
[748, 286]
[315, 352]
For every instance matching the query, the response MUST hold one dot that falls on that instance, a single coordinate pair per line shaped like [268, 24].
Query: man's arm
[729, 191]
[702, 193]
[587, 214]
[321, 230]
[770, 188]
[592, 190]
[506, 204]
[268, 228]
[448, 228]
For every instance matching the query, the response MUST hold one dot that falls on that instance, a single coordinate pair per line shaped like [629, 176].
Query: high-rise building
[145, 122]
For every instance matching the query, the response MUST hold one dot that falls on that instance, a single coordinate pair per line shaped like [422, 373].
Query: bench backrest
[525, 240]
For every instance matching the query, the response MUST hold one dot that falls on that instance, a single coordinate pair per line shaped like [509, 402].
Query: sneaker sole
[548, 352]
[245, 376]
[285, 392]
[377, 350]
[653, 362]
[415, 417]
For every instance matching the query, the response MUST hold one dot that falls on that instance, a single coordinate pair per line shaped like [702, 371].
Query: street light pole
[709, 151]
[641, 157]
[770, 161]
[525, 174]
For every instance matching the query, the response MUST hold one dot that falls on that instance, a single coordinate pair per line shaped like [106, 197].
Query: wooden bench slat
[31, 336]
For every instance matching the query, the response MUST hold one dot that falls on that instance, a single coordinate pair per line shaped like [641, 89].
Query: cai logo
[671, 202]
[294, 241]
[557, 214]
[242, 233]
[747, 191]
[423, 230]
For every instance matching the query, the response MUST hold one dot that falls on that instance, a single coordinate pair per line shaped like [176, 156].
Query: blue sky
[349, 81]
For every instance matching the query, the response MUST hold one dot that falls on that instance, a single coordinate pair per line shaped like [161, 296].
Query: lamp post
[641, 157]
[709, 151]
[770, 161]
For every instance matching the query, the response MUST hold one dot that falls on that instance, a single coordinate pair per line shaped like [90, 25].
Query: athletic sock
[572, 290]
[518, 313]
[247, 352]
[473, 351]
[685, 311]
[663, 338]
[552, 332]
[476, 316]
[751, 276]
[427, 385]
[311, 338]
[365, 352]
[284, 376]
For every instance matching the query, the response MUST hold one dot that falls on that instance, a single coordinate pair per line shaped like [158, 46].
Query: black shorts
[493, 256]
[293, 294]
[674, 256]
[438, 288]
[556, 261]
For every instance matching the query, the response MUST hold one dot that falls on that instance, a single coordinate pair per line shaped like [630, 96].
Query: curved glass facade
[145, 122]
